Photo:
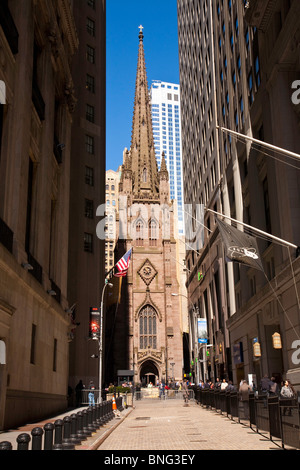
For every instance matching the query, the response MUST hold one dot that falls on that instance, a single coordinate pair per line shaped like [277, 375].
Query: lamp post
[194, 334]
[101, 338]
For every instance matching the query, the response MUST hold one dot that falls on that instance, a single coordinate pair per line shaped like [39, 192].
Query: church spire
[142, 152]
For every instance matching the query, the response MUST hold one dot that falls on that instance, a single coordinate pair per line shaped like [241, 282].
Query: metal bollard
[91, 426]
[94, 417]
[37, 434]
[80, 430]
[48, 441]
[66, 442]
[58, 430]
[74, 436]
[23, 441]
[85, 428]
[5, 445]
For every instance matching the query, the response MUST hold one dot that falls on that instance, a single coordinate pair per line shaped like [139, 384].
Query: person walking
[185, 392]
[78, 393]
[244, 395]
[287, 392]
[161, 388]
[274, 387]
[92, 393]
[224, 385]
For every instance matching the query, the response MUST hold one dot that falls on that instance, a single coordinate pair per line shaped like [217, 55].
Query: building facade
[86, 250]
[148, 328]
[251, 79]
[35, 161]
[166, 119]
[112, 209]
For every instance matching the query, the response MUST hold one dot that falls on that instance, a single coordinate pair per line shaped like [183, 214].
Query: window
[90, 83]
[257, 71]
[54, 355]
[90, 54]
[147, 328]
[33, 344]
[90, 113]
[89, 176]
[250, 86]
[153, 233]
[89, 209]
[91, 3]
[267, 204]
[90, 26]
[88, 242]
[89, 144]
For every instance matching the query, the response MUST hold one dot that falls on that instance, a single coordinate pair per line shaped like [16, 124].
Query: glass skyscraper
[166, 119]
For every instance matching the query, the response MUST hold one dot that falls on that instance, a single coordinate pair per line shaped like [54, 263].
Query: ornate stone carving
[147, 272]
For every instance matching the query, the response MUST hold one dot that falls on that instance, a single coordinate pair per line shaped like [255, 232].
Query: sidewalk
[91, 443]
[153, 424]
[169, 425]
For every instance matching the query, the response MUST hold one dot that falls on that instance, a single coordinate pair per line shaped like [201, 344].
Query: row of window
[88, 241]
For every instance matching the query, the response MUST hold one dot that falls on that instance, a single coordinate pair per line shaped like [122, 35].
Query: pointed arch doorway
[149, 373]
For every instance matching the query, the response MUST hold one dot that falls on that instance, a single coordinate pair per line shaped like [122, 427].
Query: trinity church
[144, 330]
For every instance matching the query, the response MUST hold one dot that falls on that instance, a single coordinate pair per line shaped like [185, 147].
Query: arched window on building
[147, 328]
[144, 176]
[153, 233]
[139, 233]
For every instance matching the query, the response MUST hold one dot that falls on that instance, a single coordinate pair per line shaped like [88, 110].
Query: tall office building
[166, 119]
[235, 75]
[38, 41]
[86, 250]
[111, 211]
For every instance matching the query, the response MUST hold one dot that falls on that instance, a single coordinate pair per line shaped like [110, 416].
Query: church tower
[148, 325]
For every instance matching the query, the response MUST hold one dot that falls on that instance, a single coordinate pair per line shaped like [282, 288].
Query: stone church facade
[148, 331]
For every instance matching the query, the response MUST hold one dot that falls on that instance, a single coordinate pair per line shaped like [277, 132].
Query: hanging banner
[240, 246]
[202, 330]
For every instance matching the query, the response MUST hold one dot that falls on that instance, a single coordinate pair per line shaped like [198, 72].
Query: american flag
[123, 264]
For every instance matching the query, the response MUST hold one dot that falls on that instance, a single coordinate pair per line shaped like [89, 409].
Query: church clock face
[147, 272]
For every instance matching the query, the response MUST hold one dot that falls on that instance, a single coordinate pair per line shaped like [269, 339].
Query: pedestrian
[231, 387]
[78, 393]
[265, 384]
[138, 391]
[224, 385]
[161, 388]
[244, 396]
[287, 392]
[274, 387]
[218, 384]
[185, 392]
[91, 393]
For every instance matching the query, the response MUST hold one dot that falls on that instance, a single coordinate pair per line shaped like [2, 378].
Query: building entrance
[149, 373]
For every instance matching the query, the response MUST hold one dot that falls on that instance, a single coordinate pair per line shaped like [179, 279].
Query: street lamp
[109, 284]
[194, 338]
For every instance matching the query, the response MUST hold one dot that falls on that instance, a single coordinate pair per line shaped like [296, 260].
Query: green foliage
[119, 389]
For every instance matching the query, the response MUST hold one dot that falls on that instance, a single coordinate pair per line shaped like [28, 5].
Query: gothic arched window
[153, 235]
[144, 175]
[147, 331]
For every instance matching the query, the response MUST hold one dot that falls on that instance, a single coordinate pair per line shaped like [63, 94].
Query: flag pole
[260, 142]
[279, 240]
[106, 283]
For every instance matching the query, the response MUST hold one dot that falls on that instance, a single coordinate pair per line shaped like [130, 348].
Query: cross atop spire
[141, 36]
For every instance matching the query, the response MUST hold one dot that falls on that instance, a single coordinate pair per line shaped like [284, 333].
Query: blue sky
[159, 19]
